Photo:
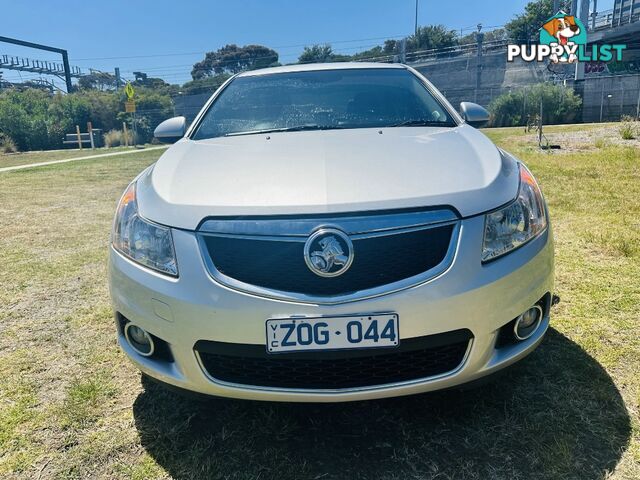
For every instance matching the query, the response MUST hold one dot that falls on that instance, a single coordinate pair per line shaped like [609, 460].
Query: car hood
[319, 172]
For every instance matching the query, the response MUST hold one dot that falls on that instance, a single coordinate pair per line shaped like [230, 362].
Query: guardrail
[612, 18]
[469, 49]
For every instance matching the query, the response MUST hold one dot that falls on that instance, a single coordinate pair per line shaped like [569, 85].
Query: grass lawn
[71, 406]
[14, 159]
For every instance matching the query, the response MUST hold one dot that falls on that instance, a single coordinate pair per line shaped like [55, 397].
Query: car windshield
[322, 100]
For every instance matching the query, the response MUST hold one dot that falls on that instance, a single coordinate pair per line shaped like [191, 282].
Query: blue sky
[167, 37]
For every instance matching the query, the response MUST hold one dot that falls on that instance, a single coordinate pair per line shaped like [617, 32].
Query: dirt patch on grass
[596, 139]
[591, 138]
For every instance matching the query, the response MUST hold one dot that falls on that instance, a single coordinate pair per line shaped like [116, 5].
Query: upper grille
[280, 265]
[415, 359]
[274, 263]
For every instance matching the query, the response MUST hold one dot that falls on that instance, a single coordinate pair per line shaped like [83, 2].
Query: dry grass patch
[571, 138]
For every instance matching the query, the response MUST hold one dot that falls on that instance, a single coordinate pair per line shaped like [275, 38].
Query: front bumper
[469, 295]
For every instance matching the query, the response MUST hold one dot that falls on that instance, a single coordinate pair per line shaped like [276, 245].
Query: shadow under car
[556, 414]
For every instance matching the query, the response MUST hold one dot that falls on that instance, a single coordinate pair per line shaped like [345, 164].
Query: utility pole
[67, 70]
[118, 78]
[584, 11]
[403, 50]
[584, 18]
[479, 38]
[416, 27]
[574, 7]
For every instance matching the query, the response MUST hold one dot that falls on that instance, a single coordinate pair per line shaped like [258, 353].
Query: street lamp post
[416, 26]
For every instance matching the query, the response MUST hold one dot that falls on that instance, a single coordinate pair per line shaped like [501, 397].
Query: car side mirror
[171, 130]
[474, 114]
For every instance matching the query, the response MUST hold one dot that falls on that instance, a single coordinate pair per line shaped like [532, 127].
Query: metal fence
[604, 99]
[609, 98]
[613, 18]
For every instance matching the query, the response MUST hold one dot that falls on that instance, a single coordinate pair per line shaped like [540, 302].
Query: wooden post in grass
[79, 137]
[124, 133]
[90, 130]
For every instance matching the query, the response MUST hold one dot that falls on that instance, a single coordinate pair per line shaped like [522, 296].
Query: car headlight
[517, 223]
[144, 242]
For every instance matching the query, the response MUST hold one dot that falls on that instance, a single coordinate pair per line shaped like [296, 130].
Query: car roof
[310, 67]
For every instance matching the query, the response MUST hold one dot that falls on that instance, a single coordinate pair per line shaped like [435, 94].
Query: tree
[490, 36]
[559, 105]
[321, 54]
[141, 77]
[390, 46]
[316, 54]
[431, 37]
[524, 27]
[204, 85]
[428, 37]
[154, 83]
[232, 59]
[97, 81]
[373, 54]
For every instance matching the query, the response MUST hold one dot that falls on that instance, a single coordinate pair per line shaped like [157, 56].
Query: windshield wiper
[421, 123]
[310, 127]
[298, 128]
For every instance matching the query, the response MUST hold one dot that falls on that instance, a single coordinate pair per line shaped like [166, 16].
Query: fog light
[139, 339]
[527, 323]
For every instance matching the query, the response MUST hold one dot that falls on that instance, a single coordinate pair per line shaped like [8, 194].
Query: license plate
[332, 333]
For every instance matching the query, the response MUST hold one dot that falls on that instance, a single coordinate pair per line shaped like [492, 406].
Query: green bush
[629, 128]
[103, 107]
[152, 109]
[36, 120]
[22, 116]
[115, 138]
[559, 105]
[7, 145]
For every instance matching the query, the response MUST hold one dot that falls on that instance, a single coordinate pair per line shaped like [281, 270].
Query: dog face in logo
[563, 29]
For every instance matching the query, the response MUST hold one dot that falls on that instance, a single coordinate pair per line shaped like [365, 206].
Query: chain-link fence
[609, 98]
[604, 99]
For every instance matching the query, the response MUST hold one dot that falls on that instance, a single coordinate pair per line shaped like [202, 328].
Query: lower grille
[416, 358]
